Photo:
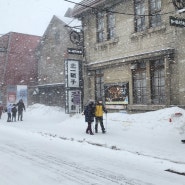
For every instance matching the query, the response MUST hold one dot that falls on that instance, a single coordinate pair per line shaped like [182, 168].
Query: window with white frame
[99, 84]
[155, 12]
[139, 15]
[110, 25]
[151, 9]
[158, 81]
[139, 83]
[100, 27]
[105, 25]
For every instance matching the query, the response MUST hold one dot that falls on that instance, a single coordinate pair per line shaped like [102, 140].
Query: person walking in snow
[9, 112]
[21, 107]
[89, 116]
[1, 110]
[99, 109]
[14, 112]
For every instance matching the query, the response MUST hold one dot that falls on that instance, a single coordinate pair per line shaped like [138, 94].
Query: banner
[22, 94]
[15, 93]
[11, 94]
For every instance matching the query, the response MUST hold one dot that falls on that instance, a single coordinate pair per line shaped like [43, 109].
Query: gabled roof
[84, 6]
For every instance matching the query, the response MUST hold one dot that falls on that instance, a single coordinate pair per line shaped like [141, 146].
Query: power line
[115, 12]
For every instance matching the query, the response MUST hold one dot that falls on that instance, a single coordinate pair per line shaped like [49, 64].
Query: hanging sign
[74, 51]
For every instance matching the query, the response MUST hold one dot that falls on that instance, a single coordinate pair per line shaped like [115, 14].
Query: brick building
[18, 64]
[134, 52]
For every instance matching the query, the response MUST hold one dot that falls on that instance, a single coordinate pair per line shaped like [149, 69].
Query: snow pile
[53, 148]
[156, 134]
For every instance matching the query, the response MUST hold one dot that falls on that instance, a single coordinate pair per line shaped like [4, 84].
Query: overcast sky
[30, 16]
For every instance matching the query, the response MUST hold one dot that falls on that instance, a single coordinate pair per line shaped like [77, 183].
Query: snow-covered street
[50, 147]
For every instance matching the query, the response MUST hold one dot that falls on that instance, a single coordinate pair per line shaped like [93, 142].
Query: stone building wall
[115, 57]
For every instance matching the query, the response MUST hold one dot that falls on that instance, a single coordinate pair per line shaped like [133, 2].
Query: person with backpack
[89, 116]
[20, 108]
[99, 109]
[14, 112]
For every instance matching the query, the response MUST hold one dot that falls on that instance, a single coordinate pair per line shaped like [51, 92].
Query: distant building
[53, 54]
[134, 53]
[18, 64]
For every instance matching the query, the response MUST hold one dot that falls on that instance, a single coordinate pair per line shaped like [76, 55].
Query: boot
[96, 128]
[90, 129]
[102, 128]
[87, 131]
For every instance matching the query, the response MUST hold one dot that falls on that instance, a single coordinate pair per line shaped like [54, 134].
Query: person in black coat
[21, 107]
[89, 113]
[14, 112]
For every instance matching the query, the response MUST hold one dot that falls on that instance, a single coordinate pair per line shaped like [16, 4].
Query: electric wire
[115, 12]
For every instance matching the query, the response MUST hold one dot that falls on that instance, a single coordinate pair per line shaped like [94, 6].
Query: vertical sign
[73, 73]
[73, 86]
[74, 100]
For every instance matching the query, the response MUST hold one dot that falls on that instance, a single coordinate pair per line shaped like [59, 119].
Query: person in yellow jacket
[99, 109]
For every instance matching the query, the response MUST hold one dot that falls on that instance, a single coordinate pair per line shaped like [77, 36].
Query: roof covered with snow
[85, 5]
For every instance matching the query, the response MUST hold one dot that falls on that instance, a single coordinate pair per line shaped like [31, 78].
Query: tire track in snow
[70, 171]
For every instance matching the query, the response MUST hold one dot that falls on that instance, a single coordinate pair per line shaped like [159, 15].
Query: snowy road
[29, 158]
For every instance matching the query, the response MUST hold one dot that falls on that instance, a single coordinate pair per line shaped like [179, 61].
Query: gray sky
[30, 16]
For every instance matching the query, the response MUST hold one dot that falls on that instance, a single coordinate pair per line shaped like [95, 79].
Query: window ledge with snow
[106, 44]
[148, 31]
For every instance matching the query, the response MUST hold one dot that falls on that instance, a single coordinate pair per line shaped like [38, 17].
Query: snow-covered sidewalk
[149, 134]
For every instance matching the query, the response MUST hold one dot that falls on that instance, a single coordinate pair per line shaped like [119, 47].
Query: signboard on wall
[116, 94]
[73, 101]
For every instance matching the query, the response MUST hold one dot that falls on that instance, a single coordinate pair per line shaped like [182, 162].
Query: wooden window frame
[110, 25]
[158, 95]
[155, 11]
[139, 84]
[100, 27]
[140, 21]
[99, 84]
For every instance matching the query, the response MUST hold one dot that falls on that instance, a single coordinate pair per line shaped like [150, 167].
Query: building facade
[134, 54]
[18, 64]
[53, 56]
